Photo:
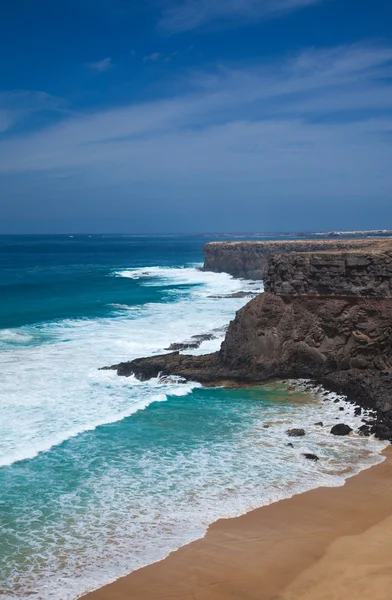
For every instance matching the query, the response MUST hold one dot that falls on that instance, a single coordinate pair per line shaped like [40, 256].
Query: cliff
[279, 337]
[349, 273]
[251, 260]
[331, 323]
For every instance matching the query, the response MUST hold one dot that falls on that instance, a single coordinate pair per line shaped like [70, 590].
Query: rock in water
[310, 456]
[364, 430]
[382, 431]
[341, 429]
[295, 432]
[177, 346]
[204, 337]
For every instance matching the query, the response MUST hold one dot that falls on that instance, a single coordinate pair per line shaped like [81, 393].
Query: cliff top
[373, 243]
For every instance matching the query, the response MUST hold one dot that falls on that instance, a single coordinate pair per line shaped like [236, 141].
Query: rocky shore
[326, 317]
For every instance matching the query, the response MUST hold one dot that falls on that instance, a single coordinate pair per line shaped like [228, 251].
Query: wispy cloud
[159, 56]
[322, 118]
[101, 65]
[153, 57]
[19, 104]
[191, 14]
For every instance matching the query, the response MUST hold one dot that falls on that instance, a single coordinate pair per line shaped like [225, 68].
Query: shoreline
[283, 551]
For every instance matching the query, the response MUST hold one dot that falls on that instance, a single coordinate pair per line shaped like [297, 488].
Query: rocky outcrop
[333, 325]
[341, 429]
[278, 337]
[251, 260]
[309, 337]
[349, 273]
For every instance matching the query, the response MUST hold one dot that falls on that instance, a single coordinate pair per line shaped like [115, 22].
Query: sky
[164, 116]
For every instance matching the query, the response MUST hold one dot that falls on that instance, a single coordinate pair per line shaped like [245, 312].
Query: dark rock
[183, 346]
[290, 445]
[198, 368]
[295, 432]
[204, 337]
[319, 424]
[341, 408]
[382, 431]
[310, 456]
[358, 411]
[336, 401]
[364, 430]
[341, 429]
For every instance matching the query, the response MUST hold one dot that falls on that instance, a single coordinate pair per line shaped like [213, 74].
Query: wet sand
[326, 544]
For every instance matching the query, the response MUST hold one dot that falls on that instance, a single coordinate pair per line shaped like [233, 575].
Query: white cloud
[19, 104]
[191, 14]
[101, 65]
[153, 57]
[321, 120]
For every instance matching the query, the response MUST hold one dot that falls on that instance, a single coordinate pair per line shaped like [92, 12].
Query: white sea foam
[14, 336]
[131, 522]
[53, 391]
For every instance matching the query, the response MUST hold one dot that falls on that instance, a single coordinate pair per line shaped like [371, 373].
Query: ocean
[101, 475]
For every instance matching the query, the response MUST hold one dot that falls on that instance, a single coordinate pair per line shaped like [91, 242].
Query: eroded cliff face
[251, 260]
[331, 323]
[348, 273]
[275, 336]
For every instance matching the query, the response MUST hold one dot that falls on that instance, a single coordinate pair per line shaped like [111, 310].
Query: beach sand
[326, 544]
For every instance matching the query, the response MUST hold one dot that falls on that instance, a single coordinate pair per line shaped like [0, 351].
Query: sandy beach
[325, 544]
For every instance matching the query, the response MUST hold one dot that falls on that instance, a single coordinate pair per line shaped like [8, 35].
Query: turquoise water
[101, 475]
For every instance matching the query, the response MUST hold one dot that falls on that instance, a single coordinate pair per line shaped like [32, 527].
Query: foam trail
[60, 392]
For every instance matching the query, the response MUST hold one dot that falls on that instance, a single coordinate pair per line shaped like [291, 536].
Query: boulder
[310, 456]
[295, 432]
[183, 346]
[382, 431]
[341, 429]
[364, 430]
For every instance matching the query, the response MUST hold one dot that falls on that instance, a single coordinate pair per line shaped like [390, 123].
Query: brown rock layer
[307, 336]
[353, 273]
[252, 259]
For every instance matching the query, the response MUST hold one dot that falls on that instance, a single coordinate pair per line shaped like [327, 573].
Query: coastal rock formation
[343, 342]
[339, 341]
[310, 456]
[251, 260]
[349, 273]
[295, 432]
[341, 429]
[277, 336]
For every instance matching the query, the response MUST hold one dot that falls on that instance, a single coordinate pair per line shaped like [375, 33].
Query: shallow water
[100, 474]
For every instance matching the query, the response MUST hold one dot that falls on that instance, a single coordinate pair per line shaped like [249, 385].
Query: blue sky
[195, 115]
